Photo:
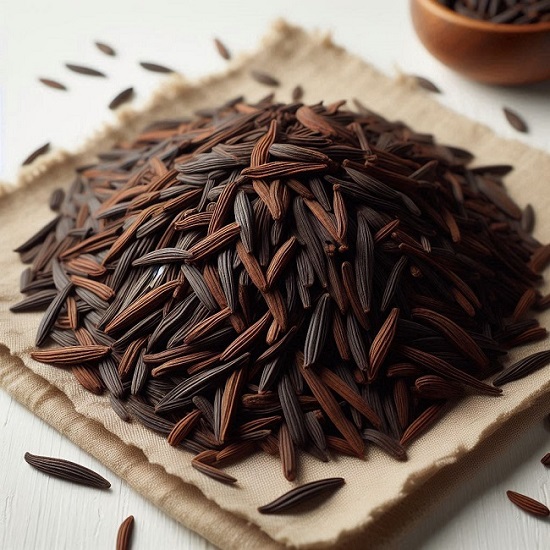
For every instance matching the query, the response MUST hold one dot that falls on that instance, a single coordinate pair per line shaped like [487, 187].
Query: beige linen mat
[381, 495]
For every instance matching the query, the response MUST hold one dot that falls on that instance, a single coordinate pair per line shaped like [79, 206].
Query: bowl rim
[453, 17]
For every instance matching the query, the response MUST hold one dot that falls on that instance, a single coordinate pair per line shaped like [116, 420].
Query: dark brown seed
[36, 301]
[67, 470]
[435, 387]
[81, 69]
[546, 460]
[515, 120]
[528, 219]
[445, 369]
[56, 199]
[386, 443]
[528, 504]
[124, 535]
[121, 98]
[42, 150]
[155, 67]
[426, 84]
[523, 367]
[292, 411]
[71, 355]
[302, 494]
[317, 331]
[297, 93]
[105, 48]
[221, 48]
[458, 336]
[53, 84]
[333, 410]
[264, 78]
[213, 472]
[118, 407]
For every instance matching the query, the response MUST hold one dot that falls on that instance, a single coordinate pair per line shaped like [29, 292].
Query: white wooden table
[36, 38]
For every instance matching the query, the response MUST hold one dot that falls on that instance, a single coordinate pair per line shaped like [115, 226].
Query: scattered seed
[81, 69]
[155, 67]
[302, 494]
[221, 48]
[53, 84]
[528, 504]
[42, 150]
[105, 48]
[264, 78]
[515, 120]
[426, 84]
[121, 98]
[124, 535]
[67, 470]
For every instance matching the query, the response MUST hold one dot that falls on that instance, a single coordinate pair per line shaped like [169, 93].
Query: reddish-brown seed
[222, 49]
[264, 78]
[422, 423]
[382, 343]
[53, 84]
[105, 48]
[515, 120]
[81, 69]
[528, 504]
[155, 67]
[124, 535]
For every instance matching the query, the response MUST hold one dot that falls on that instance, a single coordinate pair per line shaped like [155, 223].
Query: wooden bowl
[488, 52]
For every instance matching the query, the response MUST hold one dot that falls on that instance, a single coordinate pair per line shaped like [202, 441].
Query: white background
[36, 39]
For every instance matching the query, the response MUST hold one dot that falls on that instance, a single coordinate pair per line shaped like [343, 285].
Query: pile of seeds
[515, 12]
[283, 277]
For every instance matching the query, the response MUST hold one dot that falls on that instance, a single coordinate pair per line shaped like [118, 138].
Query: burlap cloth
[381, 495]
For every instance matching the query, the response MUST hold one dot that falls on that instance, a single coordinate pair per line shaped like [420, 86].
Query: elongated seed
[65, 469]
[302, 494]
